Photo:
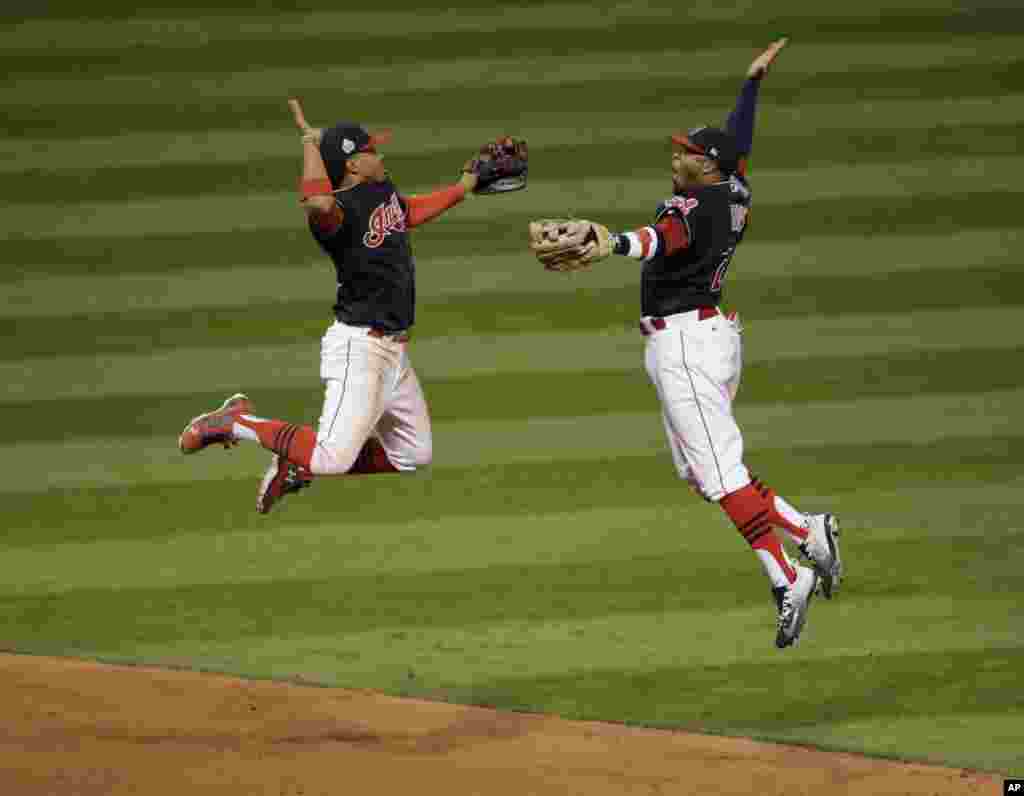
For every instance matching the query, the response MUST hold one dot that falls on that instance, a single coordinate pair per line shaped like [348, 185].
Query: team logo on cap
[348, 146]
[713, 152]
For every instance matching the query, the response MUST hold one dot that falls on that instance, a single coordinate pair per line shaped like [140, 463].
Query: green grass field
[154, 261]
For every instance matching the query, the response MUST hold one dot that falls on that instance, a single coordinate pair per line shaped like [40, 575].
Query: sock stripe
[757, 518]
[286, 439]
[761, 532]
[278, 437]
[757, 528]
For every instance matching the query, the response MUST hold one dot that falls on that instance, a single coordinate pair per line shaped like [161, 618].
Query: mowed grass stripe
[614, 348]
[526, 594]
[287, 29]
[208, 555]
[501, 233]
[524, 395]
[679, 65]
[276, 210]
[487, 274]
[565, 161]
[502, 313]
[822, 477]
[585, 127]
[922, 419]
[910, 84]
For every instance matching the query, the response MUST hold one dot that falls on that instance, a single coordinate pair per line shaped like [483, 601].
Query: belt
[396, 337]
[703, 313]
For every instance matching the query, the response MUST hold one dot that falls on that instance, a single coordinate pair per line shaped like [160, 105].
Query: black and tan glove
[501, 166]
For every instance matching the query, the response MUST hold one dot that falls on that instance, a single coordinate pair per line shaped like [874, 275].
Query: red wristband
[319, 187]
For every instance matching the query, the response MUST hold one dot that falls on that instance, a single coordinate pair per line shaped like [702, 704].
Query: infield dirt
[75, 727]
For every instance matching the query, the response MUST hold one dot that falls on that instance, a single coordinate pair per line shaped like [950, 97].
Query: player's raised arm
[315, 185]
[741, 121]
[500, 167]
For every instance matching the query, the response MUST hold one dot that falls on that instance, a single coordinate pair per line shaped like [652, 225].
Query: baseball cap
[341, 142]
[711, 142]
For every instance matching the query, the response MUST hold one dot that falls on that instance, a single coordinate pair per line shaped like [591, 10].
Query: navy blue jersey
[373, 258]
[715, 217]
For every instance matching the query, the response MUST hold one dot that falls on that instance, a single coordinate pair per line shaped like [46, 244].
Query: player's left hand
[761, 64]
[500, 167]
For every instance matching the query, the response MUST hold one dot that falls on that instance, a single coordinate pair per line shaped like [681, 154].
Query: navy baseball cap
[713, 143]
[341, 142]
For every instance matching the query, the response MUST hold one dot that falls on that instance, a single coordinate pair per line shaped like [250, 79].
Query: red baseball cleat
[281, 478]
[215, 426]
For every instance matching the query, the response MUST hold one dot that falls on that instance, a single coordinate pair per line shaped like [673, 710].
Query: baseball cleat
[793, 603]
[214, 427]
[822, 550]
[281, 478]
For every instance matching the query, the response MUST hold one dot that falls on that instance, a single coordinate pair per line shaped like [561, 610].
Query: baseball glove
[569, 244]
[500, 167]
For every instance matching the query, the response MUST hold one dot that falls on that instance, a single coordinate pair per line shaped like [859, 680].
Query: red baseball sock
[780, 513]
[293, 442]
[372, 458]
[751, 512]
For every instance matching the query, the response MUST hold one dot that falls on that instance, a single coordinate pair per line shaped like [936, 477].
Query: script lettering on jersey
[387, 217]
[684, 206]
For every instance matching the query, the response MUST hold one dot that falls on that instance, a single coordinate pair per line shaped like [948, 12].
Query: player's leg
[703, 434]
[691, 369]
[403, 431]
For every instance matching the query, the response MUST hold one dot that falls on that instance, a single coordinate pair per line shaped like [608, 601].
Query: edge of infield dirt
[75, 726]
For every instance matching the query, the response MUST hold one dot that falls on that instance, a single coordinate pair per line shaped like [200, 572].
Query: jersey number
[739, 221]
[723, 266]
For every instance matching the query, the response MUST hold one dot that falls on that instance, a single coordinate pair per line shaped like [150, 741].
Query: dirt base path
[71, 727]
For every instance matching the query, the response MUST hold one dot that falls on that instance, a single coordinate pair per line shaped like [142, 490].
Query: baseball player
[693, 353]
[374, 417]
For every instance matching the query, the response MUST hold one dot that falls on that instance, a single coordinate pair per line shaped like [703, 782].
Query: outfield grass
[550, 560]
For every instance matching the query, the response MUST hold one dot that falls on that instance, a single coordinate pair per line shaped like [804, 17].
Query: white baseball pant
[695, 366]
[370, 389]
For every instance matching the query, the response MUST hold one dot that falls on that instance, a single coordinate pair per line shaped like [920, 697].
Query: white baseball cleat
[793, 603]
[822, 550]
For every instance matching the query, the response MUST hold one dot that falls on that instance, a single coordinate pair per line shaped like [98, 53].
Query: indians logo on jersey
[684, 206]
[387, 217]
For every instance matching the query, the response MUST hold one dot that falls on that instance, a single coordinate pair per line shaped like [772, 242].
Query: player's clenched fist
[569, 244]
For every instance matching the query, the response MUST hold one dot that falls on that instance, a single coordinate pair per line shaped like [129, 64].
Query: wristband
[321, 187]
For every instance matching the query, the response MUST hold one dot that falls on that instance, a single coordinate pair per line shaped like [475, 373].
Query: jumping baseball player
[374, 417]
[693, 352]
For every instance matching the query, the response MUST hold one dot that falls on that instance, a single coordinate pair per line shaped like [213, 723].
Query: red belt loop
[398, 337]
[658, 324]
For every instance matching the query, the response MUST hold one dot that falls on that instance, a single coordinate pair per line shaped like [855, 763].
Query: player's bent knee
[331, 459]
[414, 457]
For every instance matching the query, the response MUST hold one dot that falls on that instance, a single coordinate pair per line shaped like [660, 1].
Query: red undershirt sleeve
[426, 207]
[674, 234]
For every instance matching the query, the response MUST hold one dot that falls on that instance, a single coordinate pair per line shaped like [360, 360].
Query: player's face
[687, 168]
[370, 166]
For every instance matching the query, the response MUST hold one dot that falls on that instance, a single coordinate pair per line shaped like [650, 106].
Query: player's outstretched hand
[310, 135]
[760, 66]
